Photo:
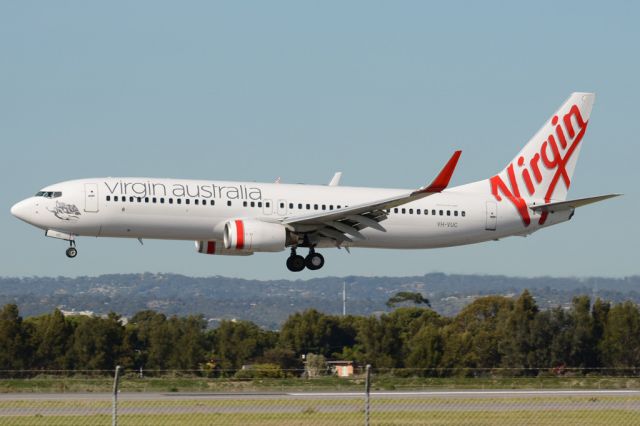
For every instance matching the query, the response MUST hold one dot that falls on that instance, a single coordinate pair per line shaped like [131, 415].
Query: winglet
[442, 180]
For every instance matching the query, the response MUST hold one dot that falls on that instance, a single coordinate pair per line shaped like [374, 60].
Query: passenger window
[315, 207]
[282, 205]
[290, 205]
[229, 203]
[339, 207]
[417, 211]
[195, 201]
[146, 199]
[179, 200]
[410, 211]
[108, 197]
[448, 212]
[131, 199]
[244, 204]
[433, 212]
[324, 207]
[426, 212]
[260, 204]
[455, 212]
[308, 206]
[441, 213]
[115, 198]
[404, 211]
[395, 210]
[300, 206]
[330, 206]
[462, 213]
[170, 200]
[267, 205]
[212, 202]
[139, 199]
[253, 204]
[187, 201]
[155, 199]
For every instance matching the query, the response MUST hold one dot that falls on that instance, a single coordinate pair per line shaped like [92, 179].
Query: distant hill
[268, 303]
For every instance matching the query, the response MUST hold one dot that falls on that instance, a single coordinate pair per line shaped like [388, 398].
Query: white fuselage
[197, 210]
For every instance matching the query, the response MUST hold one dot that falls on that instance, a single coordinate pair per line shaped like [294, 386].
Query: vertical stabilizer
[542, 171]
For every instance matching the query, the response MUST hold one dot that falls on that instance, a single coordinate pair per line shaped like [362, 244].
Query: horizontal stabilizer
[570, 204]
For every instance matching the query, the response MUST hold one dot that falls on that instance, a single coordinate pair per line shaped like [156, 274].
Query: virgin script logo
[554, 154]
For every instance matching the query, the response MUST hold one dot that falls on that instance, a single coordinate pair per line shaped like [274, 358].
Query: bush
[260, 371]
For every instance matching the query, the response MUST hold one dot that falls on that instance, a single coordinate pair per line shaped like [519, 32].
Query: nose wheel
[71, 251]
[313, 261]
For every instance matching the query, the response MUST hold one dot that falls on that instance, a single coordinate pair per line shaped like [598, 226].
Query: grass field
[565, 418]
[79, 383]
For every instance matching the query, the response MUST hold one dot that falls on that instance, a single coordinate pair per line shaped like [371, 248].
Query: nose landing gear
[313, 261]
[72, 251]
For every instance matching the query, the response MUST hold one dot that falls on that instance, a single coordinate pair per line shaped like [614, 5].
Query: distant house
[341, 368]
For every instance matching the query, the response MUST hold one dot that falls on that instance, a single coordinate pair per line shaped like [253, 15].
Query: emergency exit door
[492, 216]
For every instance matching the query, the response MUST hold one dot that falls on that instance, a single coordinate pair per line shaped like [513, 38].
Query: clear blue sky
[383, 91]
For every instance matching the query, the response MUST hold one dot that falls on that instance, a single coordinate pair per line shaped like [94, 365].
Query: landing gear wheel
[314, 261]
[72, 252]
[295, 263]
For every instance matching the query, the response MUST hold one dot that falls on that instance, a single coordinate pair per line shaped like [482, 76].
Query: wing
[350, 220]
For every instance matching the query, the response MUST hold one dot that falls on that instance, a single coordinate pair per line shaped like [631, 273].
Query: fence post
[114, 410]
[367, 388]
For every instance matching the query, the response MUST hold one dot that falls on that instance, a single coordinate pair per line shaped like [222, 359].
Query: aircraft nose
[20, 210]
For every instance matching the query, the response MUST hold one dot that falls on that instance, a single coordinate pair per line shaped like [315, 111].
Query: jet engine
[217, 248]
[255, 235]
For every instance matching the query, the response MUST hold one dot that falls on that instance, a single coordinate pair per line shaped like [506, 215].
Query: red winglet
[442, 180]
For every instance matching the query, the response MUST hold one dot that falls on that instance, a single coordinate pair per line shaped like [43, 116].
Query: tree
[237, 342]
[621, 339]
[14, 351]
[407, 296]
[472, 338]
[425, 348]
[517, 346]
[51, 338]
[313, 331]
[97, 343]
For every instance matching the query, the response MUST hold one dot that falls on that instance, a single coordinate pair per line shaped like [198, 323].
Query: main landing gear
[72, 251]
[313, 261]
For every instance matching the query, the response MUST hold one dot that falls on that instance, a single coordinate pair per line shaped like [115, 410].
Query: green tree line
[490, 333]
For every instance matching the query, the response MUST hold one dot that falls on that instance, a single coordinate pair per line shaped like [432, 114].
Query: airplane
[243, 218]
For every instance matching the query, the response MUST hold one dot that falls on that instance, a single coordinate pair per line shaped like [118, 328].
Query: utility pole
[344, 298]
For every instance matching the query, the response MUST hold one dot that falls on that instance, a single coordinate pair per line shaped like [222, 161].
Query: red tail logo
[554, 155]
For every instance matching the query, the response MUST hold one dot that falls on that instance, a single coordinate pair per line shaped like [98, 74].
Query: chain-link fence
[397, 397]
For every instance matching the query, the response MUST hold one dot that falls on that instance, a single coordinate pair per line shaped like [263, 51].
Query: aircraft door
[282, 207]
[492, 216]
[91, 197]
[267, 207]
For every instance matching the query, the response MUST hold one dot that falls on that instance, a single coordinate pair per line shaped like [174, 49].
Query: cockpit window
[49, 194]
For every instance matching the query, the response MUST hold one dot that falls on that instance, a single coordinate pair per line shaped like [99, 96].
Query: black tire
[295, 263]
[71, 252]
[314, 261]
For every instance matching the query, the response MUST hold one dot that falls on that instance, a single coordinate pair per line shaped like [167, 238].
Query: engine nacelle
[255, 235]
[217, 248]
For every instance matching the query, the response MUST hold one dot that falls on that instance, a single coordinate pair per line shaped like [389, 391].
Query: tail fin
[544, 167]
